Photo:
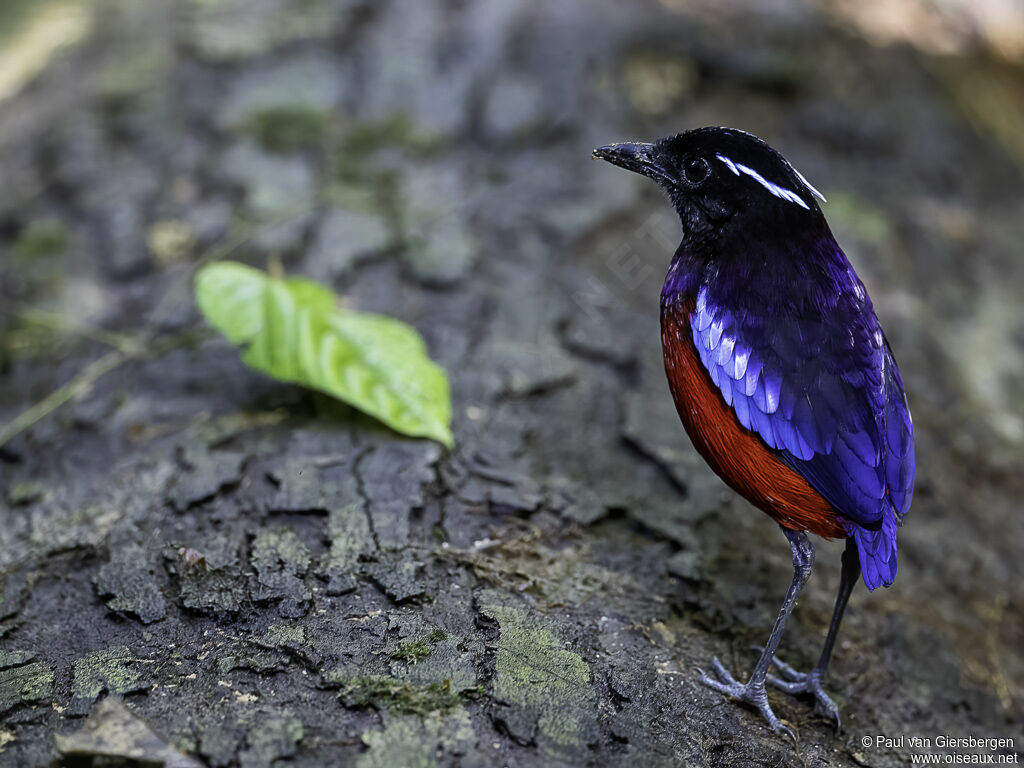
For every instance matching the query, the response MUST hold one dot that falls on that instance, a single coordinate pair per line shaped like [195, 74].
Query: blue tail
[877, 550]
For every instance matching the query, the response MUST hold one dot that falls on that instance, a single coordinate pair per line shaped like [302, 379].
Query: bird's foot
[751, 693]
[805, 682]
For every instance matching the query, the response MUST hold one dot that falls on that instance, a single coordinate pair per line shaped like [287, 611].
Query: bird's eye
[696, 169]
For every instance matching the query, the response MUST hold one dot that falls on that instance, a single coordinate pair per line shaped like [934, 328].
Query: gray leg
[753, 692]
[810, 682]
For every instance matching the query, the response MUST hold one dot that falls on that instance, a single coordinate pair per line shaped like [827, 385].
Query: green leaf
[293, 331]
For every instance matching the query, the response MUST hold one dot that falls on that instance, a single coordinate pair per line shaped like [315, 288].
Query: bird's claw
[755, 695]
[805, 682]
[811, 683]
[788, 672]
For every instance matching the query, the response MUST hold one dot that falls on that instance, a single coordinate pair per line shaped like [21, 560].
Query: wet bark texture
[216, 569]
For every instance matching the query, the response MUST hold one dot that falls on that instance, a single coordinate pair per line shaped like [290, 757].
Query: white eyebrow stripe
[807, 184]
[775, 189]
[730, 163]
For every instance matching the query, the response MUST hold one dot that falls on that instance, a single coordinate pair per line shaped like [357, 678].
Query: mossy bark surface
[200, 566]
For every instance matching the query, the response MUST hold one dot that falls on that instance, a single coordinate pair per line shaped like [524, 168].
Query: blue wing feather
[824, 393]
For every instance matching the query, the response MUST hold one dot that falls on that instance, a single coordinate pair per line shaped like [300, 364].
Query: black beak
[639, 157]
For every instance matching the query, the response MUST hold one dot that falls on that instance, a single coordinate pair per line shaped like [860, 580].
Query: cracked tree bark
[223, 570]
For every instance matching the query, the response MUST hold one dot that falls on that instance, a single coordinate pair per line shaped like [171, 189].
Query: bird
[780, 372]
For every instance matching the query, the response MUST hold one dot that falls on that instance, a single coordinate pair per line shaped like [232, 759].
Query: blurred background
[430, 160]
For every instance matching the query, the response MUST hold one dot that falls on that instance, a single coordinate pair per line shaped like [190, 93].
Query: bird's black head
[719, 176]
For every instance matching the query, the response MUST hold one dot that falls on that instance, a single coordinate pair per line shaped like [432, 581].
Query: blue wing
[823, 391]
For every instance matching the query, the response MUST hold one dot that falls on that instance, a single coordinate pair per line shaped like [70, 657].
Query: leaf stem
[127, 347]
[78, 386]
